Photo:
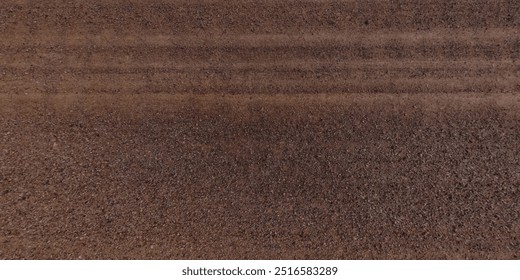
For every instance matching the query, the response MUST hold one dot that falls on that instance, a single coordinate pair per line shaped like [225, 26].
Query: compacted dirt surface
[259, 129]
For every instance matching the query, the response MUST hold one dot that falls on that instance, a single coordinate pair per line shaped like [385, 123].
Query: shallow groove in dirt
[125, 35]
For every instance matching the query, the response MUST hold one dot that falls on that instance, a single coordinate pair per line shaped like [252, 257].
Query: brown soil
[259, 129]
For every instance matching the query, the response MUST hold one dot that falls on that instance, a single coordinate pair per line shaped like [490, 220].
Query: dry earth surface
[259, 129]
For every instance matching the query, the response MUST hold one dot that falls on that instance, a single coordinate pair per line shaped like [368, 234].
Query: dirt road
[259, 129]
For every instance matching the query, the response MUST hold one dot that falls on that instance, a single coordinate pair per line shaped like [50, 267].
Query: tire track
[119, 46]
